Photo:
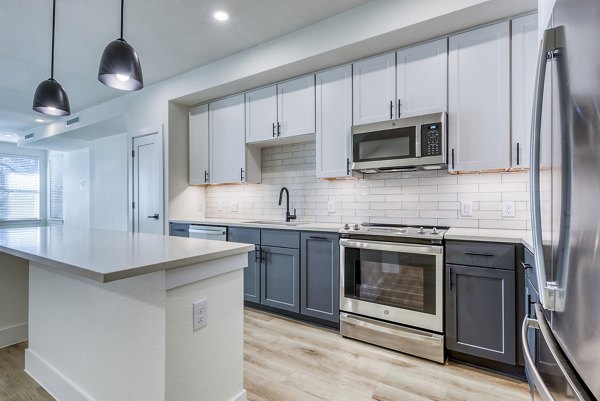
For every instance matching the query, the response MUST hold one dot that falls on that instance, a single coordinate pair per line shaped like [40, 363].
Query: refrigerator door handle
[546, 46]
[534, 374]
[569, 374]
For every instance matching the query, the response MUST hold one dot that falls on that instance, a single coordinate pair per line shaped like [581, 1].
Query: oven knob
[421, 230]
[346, 226]
[356, 227]
[434, 231]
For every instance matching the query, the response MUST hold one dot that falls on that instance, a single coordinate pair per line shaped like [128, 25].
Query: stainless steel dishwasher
[215, 233]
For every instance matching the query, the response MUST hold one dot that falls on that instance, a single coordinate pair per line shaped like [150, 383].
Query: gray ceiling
[170, 37]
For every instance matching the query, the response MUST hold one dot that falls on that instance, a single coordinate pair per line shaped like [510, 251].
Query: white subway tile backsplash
[415, 197]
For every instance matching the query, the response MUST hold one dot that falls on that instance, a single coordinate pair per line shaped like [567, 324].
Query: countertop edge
[309, 226]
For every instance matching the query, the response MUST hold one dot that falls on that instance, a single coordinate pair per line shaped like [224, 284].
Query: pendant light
[120, 66]
[50, 97]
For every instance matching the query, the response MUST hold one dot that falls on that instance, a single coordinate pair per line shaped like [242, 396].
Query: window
[19, 188]
[55, 188]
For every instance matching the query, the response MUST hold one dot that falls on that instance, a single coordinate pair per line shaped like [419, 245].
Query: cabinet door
[296, 106]
[227, 139]
[252, 272]
[199, 151]
[320, 276]
[480, 312]
[373, 88]
[179, 230]
[524, 60]
[261, 114]
[334, 122]
[422, 77]
[479, 99]
[280, 272]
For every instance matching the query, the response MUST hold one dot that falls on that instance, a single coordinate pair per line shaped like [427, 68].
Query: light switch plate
[233, 207]
[331, 207]
[466, 208]
[508, 209]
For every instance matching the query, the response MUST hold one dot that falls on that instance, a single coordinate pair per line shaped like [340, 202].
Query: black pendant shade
[120, 66]
[50, 97]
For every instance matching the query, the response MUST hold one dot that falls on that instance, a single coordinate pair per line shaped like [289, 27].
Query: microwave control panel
[431, 139]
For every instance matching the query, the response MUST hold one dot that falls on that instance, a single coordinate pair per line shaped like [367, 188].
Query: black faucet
[288, 216]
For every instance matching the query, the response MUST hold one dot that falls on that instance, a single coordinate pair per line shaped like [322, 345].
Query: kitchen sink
[275, 223]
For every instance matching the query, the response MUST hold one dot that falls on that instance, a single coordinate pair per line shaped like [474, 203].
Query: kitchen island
[111, 314]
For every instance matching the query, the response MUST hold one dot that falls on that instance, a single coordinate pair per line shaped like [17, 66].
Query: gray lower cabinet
[480, 312]
[280, 272]
[252, 272]
[320, 276]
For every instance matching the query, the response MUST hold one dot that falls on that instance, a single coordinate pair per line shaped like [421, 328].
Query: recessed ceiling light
[221, 16]
[39, 120]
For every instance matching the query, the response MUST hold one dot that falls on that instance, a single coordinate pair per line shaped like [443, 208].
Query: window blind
[19, 188]
[55, 190]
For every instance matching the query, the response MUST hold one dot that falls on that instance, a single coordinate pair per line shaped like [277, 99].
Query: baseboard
[57, 385]
[240, 397]
[13, 335]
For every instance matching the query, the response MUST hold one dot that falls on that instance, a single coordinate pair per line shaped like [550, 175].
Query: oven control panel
[431, 139]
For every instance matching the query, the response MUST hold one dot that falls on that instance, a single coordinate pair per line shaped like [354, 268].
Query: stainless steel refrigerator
[562, 340]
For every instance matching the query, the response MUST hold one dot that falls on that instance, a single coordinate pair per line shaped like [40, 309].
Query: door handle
[258, 254]
[518, 154]
[391, 109]
[278, 129]
[273, 130]
[526, 266]
[154, 216]
[319, 238]
[398, 108]
[450, 278]
[479, 254]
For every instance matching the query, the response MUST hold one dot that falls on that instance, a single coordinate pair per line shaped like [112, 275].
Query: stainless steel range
[391, 287]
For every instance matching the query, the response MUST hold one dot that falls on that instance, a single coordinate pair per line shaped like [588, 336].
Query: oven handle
[392, 246]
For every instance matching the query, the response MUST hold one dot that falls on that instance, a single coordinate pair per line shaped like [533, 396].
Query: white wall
[14, 275]
[76, 188]
[108, 182]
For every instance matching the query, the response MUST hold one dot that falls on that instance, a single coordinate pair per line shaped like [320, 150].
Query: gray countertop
[105, 255]
[298, 225]
[491, 235]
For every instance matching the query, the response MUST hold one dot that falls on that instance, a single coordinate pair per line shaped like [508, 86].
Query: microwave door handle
[417, 141]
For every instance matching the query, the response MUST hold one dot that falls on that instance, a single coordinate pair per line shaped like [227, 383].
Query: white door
[199, 152]
[524, 60]
[261, 114]
[374, 89]
[148, 210]
[334, 122]
[227, 140]
[296, 106]
[479, 99]
[422, 77]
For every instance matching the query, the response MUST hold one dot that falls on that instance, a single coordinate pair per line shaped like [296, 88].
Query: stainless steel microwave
[412, 143]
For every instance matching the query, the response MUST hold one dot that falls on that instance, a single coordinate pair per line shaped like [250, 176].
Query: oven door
[387, 147]
[396, 282]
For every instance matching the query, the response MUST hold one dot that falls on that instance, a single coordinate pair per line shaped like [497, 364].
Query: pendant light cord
[122, 6]
[53, 25]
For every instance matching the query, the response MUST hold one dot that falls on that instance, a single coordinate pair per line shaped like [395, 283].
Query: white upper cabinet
[374, 87]
[524, 59]
[421, 77]
[227, 144]
[261, 114]
[283, 110]
[334, 122]
[199, 150]
[479, 99]
[296, 106]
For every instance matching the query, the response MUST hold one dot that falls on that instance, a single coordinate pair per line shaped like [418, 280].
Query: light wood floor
[288, 361]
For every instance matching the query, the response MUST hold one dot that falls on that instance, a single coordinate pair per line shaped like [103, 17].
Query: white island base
[133, 339]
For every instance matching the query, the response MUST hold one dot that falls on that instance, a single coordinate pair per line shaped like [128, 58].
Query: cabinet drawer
[280, 238]
[482, 254]
[179, 229]
[244, 235]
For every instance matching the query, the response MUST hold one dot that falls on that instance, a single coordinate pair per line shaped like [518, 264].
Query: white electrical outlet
[508, 209]
[466, 208]
[200, 314]
[331, 207]
[233, 207]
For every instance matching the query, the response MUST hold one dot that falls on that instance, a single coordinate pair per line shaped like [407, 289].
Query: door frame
[156, 129]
